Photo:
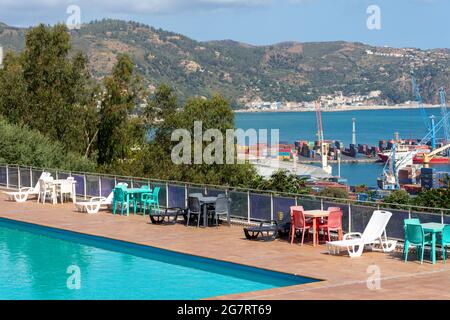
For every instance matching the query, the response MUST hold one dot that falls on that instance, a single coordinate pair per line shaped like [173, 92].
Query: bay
[371, 126]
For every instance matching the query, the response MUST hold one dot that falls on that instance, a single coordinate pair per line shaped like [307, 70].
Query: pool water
[43, 263]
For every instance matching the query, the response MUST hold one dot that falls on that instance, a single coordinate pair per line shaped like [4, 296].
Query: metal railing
[248, 205]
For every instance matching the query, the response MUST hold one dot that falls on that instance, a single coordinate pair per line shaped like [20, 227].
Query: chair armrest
[97, 199]
[271, 222]
[352, 235]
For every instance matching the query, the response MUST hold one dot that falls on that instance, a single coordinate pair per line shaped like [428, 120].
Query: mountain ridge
[285, 71]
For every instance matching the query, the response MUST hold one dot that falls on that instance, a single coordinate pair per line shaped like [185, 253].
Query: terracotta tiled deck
[344, 278]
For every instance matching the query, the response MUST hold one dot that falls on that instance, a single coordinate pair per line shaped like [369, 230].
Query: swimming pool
[38, 262]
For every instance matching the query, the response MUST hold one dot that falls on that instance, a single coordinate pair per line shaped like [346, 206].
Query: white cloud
[132, 6]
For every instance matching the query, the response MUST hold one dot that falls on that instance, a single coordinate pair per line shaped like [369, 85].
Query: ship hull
[418, 160]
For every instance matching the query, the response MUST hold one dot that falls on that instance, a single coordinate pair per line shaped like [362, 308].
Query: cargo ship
[403, 150]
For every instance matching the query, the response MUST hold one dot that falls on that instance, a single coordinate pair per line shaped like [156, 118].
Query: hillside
[289, 71]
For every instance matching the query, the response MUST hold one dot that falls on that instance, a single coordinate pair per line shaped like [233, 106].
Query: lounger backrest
[376, 226]
[44, 175]
[109, 199]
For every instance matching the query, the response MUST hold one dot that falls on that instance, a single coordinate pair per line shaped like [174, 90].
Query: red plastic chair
[298, 222]
[333, 223]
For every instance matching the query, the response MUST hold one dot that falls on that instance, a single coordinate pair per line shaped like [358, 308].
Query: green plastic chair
[414, 235]
[141, 197]
[411, 221]
[445, 241]
[151, 200]
[120, 197]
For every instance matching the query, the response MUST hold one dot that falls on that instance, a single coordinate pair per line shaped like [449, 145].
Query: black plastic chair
[222, 207]
[194, 209]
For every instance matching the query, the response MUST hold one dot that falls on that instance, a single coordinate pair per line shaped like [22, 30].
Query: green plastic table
[433, 228]
[135, 192]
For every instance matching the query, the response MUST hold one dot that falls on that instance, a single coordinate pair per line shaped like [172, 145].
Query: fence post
[321, 204]
[186, 195]
[18, 177]
[296, 201]
[248, 206]
[349, 218]
[167, 194]
[271, 206]
[99, 186]
[442, 216]
[409, 213]
[131, 182]
[31, 178]
[206, 190]
[85, 187]
[7, 177]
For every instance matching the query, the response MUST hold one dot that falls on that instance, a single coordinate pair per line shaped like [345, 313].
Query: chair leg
[292, 235]
[303, 236]
[188, 218]
[444, 253]
[405, 250]
[421, 255]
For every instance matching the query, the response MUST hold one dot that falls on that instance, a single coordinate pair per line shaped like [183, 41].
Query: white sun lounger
[95, 204]
[24, 193]
[374, 235]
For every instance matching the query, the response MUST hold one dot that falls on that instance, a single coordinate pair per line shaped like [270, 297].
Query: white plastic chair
[24, 193]
[46, 188]
[66, 188]
[374, 234]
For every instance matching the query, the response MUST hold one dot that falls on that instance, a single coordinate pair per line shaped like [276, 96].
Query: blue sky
[404, 23]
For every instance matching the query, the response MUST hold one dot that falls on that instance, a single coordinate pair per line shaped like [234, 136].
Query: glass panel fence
[92, 187]
[260, 207]
[192, 190]
[79, 185]
[141, 183]
[239, 204]
[394, 228]
[309, 204]
[107, 185]
[25, 177]
[177, 196]
[3, 175]
[13, 177]
[282, 205]
[213, 192]
[360, 217]
[36, 175]
[426, 217]
[128, 182]
[446, 217]
[162, 192]
[63, 175]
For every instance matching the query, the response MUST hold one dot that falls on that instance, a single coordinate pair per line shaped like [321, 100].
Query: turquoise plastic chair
[120, 197]
[445, 241]
[141, 197]
[151, 200]
[411, 221]
[414, 235]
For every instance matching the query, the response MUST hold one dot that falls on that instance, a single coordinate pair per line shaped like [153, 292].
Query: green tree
[332, 192]
[117, 135]
[282, 181]
[434, 198]
[398, 197]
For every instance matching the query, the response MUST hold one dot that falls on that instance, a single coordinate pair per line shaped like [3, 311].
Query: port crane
[444, 112]
[389, 177]
[429, 121]
[323, 147]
